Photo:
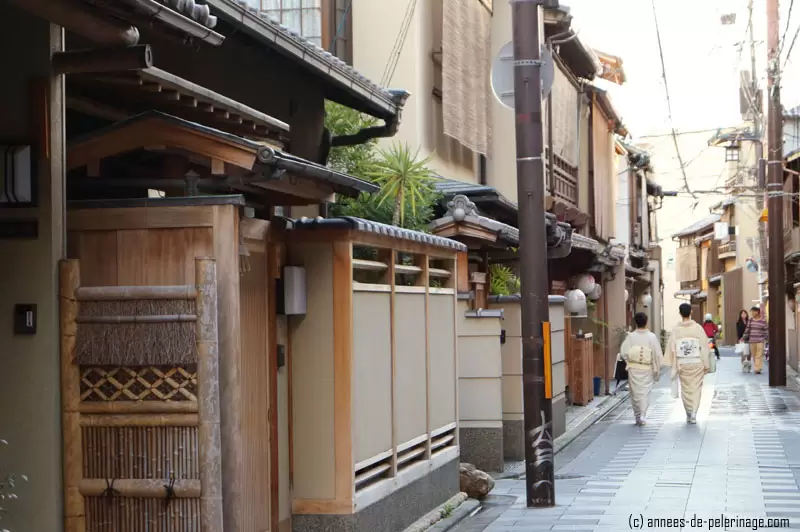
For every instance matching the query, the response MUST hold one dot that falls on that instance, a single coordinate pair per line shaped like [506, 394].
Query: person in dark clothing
[712, 330]
[741, 325]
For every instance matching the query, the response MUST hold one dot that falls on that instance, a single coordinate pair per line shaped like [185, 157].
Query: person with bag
[742, 349]
[641, 351]
[689, 358]
[712, 331]
[755, 335]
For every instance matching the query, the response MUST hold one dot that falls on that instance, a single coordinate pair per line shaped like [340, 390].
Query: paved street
[742, 459]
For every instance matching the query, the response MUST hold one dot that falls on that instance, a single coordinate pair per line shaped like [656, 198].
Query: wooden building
[160, 158]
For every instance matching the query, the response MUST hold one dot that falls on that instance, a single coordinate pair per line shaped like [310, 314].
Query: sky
[702, 58]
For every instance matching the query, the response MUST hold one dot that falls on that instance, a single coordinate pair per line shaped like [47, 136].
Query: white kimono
[687, 355]
[641, 376]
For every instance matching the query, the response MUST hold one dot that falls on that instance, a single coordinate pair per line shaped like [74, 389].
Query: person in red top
[712, 330]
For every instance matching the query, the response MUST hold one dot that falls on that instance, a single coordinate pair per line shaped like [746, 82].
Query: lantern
[596, 293]
[627, 295]
[645, 300]
[575, 304]
[586, 284]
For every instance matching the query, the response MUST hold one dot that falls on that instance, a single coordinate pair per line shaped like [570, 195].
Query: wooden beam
[92, 108]
[96, 60]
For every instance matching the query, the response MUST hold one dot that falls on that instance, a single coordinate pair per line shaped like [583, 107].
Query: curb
[458, 515]
[572, 434]
[430, 520]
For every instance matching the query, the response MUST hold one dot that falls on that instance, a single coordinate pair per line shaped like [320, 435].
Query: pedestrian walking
[742, 349]
[688, 357]
[741, 324]
[641, 351]
[712, 330]
[755, 336]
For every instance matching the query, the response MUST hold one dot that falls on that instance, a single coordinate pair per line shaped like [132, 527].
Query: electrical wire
[785, 31]
[399, 43]
[669, 102]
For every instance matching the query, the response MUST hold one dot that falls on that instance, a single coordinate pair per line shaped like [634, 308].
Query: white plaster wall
[30, 418]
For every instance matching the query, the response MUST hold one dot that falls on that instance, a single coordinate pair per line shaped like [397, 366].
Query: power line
[669, 102]
[400, 40]
[785, 31]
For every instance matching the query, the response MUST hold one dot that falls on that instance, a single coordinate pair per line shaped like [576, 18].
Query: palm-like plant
[403, 178]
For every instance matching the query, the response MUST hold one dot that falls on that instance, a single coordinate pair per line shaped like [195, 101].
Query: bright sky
[701, 55]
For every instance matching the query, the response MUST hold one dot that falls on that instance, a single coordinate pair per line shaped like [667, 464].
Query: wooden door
[257, 390]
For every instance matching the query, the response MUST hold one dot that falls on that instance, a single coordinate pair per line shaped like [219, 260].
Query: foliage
[352, 160]
[407, 197]
[8, 486]
[403, 178]
[503, 281]
[446, 511]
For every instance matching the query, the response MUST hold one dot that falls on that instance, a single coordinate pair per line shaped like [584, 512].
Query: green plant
[8, 486]
[503, 281]
[403, 178]
[357, 159]
[447, 511]
[417, 199]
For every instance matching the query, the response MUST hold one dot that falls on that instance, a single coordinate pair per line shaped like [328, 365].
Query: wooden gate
[141, 405]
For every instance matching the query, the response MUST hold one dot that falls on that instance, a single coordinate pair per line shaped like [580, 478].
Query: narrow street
[742, 459]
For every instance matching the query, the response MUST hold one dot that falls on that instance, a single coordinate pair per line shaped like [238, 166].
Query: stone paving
[742, 460]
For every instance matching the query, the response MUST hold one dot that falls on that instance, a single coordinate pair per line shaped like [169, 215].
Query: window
[326, 23]
[732, 153]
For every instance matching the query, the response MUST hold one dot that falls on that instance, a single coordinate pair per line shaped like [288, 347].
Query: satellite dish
[503, 74]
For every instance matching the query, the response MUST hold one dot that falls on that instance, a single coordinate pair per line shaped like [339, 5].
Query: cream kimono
[687, 355]
[641, 351]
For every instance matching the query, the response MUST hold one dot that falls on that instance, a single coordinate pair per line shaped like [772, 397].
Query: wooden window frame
[331, 12]
[729, 154]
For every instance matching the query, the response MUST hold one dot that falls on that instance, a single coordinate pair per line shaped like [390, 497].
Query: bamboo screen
[140, 395]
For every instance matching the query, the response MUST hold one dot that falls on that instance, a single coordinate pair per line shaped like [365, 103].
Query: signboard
[503, 74]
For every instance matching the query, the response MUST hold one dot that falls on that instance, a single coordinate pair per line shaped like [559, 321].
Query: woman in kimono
[642, 353]
[687, 355]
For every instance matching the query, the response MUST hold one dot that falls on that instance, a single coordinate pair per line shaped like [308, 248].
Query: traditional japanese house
[179, 151]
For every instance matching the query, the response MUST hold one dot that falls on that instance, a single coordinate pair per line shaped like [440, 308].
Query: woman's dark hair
[685, 310]
[640, 318]
[746, 315]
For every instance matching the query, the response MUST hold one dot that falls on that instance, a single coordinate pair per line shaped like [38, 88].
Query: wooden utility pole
[777, 279]
[527, 20]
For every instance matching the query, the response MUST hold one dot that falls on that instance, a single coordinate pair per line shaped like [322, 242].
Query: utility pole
[755, 107]
[777, 280]
[527, 21]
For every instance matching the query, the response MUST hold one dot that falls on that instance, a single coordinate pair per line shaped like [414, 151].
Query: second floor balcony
[727, 250]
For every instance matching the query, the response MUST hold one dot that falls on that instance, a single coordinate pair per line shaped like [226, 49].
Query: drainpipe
[388, 129]
[78, 19]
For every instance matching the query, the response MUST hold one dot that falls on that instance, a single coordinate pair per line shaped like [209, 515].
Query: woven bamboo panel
[119, 514]
[141, 452]
[147, 383]
[136, 343]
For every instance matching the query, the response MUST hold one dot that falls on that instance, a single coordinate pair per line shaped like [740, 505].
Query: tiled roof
[368, 226]
[450, 187]
[698, 226]
[279, 36]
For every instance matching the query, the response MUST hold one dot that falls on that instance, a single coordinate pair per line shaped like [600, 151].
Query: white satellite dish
[503, 74]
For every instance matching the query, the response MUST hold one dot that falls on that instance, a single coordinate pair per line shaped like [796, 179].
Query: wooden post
[74, 509]
[209, 436]
[116, 59]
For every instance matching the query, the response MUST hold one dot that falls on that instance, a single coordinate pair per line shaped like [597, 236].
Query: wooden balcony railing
[727, 249]
[563, 184]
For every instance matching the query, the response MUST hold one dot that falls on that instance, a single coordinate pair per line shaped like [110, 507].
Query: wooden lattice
[148, 383]
[104, 514]
[140, 452]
